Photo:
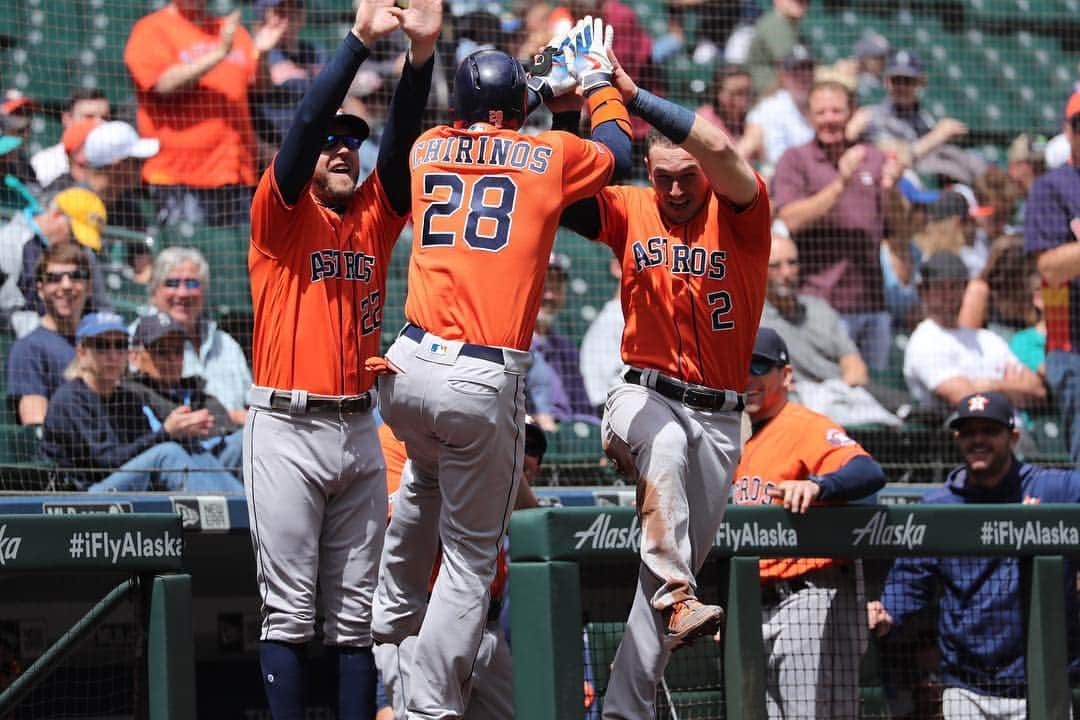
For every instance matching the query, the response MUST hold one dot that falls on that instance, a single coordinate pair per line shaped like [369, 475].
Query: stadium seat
[575, 442]
[20, 466]
[591, 283]
[1048, 431]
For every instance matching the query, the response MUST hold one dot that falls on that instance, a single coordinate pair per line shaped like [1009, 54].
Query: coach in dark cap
[983, 670]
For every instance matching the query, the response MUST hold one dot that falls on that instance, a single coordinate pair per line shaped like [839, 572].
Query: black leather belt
[481, 352]
[282, 400]
[694, 396]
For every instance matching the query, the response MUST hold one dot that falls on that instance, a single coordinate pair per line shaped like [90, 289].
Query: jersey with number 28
[485, 208]
[691, 294]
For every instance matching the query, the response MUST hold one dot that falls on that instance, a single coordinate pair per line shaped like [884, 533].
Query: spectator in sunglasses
[75, 215]
[178, 286]
[101, 436]
[37, 361]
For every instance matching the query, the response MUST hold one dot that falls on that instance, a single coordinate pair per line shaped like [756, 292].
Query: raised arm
[421, 22]
[295, 161]
[728, 172]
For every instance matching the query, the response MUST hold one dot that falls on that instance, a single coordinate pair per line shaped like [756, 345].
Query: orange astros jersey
[318, 284]
[485, 208]
[795, 444]
[691, 294]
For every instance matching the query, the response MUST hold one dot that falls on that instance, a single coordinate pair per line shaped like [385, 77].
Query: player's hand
[590, 63]
[376, 19]
[877, 618]
[269, 34]
[228, 31]
[381, 366]
[558, 80]
[795, 495]
[621, 80]
[1074, 225]
[422, 21]
[849, 162]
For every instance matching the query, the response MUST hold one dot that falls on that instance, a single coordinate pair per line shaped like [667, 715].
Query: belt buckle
[697, 397]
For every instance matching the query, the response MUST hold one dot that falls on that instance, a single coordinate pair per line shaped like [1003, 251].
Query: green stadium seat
[128, 297]
[591, 283]
[1048, 431]
[687, 82]
[575, 442]
[20, 466]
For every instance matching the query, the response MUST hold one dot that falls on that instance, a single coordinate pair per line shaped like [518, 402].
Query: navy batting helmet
[490, 87]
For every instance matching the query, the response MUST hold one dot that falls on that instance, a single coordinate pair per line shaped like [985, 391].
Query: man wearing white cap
[112, 157]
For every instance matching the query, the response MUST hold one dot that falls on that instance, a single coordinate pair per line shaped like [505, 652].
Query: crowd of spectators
[878, 206]
[908, 275]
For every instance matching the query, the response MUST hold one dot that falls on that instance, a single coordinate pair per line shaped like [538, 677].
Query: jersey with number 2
[691, 294]
[485, 208]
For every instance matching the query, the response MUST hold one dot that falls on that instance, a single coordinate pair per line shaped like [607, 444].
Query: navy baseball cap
[904, 63]
[152, 328]
[770, 346]
[99, 323]
[987, 406]
[353, 124]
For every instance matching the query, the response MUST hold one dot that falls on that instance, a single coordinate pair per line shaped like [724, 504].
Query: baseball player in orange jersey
[811, 607]
[486, 203]
[313, 472]
[694, 250]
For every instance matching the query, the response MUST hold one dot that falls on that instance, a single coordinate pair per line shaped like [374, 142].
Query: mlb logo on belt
[439, 348]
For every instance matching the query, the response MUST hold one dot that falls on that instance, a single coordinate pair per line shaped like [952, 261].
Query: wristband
[606, 104]
[673, 121]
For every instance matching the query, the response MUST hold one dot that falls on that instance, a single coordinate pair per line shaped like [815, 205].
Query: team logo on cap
[978, 403]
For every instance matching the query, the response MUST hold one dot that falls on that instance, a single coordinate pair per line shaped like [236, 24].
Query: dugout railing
[574, 568]
[143, 552]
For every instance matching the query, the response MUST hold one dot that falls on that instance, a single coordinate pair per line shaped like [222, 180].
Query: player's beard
[335, 189]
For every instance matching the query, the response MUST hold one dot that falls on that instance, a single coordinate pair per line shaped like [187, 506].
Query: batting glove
[590, 63]
[550, 74]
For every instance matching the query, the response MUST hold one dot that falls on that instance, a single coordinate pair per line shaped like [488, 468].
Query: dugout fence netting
[819, 655]
[103, 676]
[1001, 70]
